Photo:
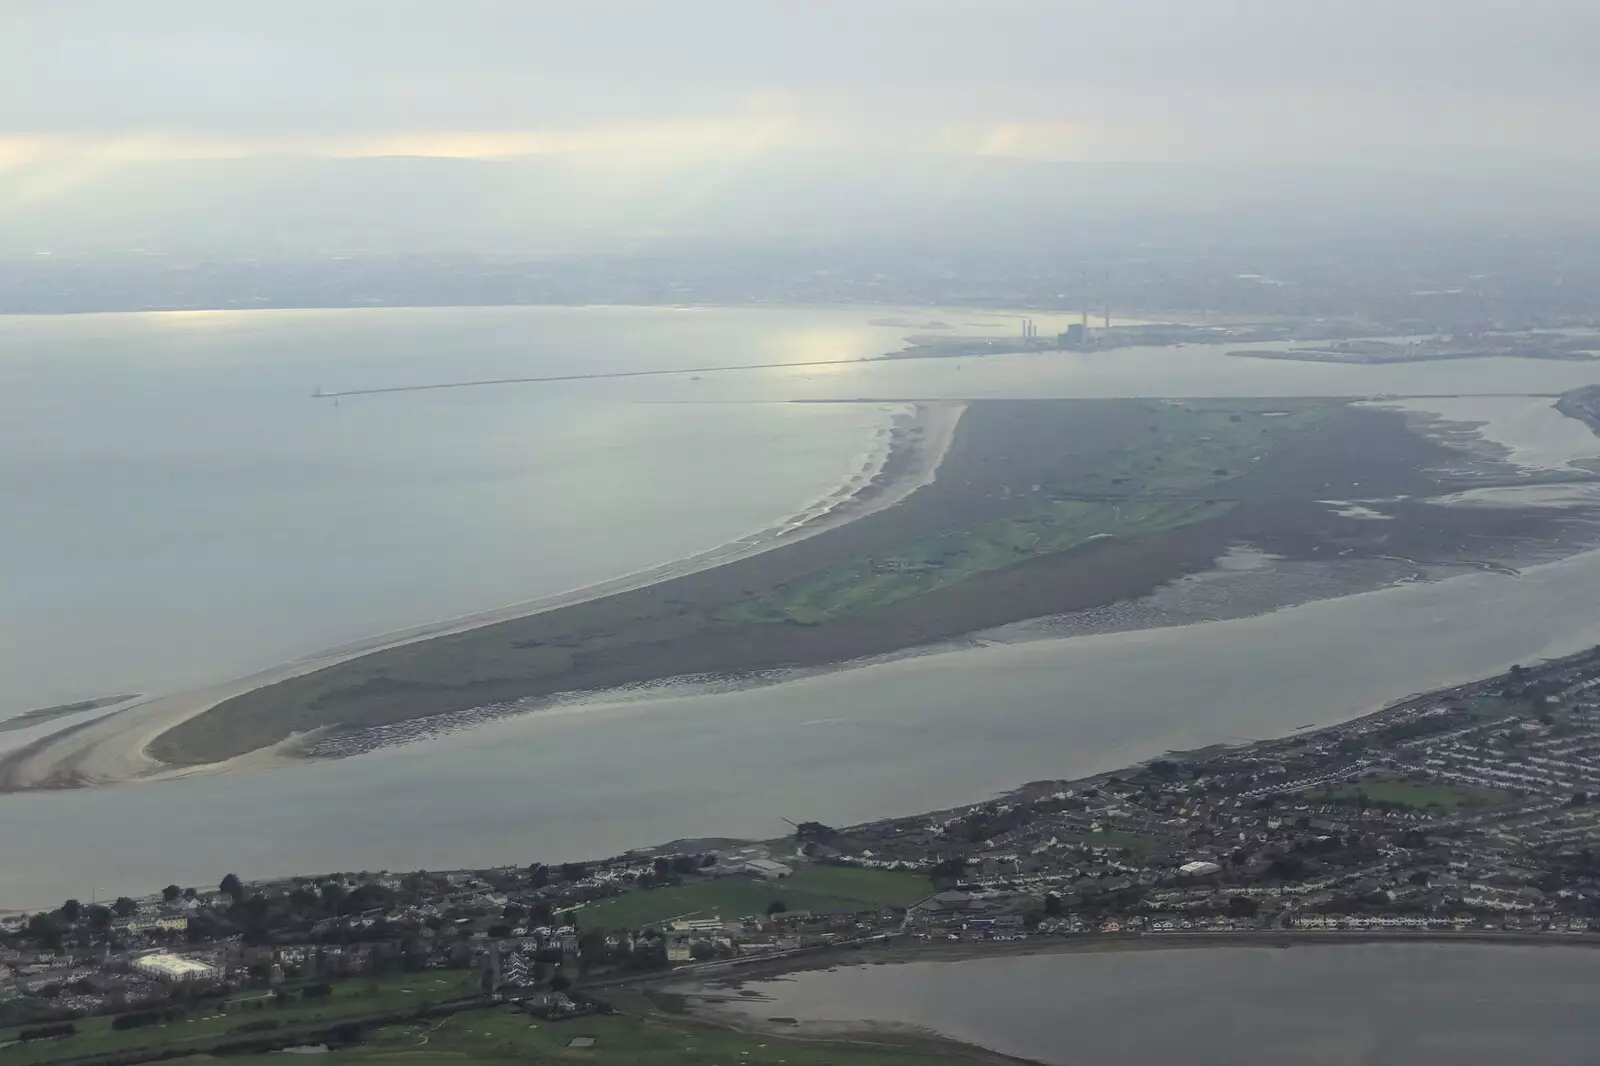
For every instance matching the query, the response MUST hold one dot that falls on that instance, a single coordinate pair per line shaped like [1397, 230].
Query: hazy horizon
[413, 127]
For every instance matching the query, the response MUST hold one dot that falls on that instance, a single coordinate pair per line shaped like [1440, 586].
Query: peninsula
[1024, 509]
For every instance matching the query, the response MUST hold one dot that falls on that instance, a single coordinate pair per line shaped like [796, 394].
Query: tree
[1580, 799]
[71, 911]
[332, 897]
[190, 893]
[232, 887]
[99, 917]
[1052, 905]
[538, 875]
[701, 950]
[171, 893]
[44, 931]
[662, 866]
[574, 871]
[125, 907]
[777, 906]
[253, 909]
[367, 896]
[559, 982]
[948, 870]
[1243, 906]
[592, 949]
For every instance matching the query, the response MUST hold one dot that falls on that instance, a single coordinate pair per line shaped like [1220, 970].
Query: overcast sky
[1096, 79]
[643, 119]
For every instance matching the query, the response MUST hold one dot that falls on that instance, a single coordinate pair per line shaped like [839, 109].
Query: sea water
[178, 509]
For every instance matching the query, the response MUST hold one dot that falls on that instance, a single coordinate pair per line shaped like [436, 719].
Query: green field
[350, 999]
[1419, 795]
[931, 563]
[1141, 846]
[1167, 481]
[505, 1035]
[818, 889]
[1491, 706]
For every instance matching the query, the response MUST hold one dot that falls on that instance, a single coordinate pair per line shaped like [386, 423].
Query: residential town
[1469, 811]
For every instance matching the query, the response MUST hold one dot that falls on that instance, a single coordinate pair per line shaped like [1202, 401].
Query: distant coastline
[1387, 353]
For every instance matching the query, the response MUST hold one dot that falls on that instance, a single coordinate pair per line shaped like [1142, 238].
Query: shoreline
[696, 627]
[899, 950]
[716, 998]
[1032, 599]
[112, 749]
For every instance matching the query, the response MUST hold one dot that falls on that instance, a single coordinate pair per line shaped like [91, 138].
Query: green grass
[1166, 481]
[1141, 846]
[503, 1035]
[350, 999]
[1491, 706]
[1419, 795]
[819, 889]
[892, 888]
[937, 562]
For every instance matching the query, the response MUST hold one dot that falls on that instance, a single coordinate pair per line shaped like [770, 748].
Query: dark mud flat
[1005, 453]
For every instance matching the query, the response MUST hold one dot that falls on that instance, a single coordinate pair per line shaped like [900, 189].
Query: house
[145, 925]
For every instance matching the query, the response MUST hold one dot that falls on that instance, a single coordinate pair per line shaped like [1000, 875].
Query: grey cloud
[1349, 75]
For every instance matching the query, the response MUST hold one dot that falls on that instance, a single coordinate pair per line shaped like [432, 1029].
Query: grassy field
[932, 563]
[350, 999]
[819, 889]
[1176, 476]
[1416, 794]
[1490, 706]
[1141, 846]
[504, 1035]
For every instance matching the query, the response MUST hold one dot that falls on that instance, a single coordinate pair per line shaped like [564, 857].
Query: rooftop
[172, 965]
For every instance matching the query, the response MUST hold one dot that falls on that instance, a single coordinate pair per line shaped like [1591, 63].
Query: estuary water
[179, 511]
[1366, 1004]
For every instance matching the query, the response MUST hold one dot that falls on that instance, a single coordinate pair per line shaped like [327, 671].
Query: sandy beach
[114, 748]
[710, 616]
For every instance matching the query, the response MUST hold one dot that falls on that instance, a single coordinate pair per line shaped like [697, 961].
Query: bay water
[180, 510]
